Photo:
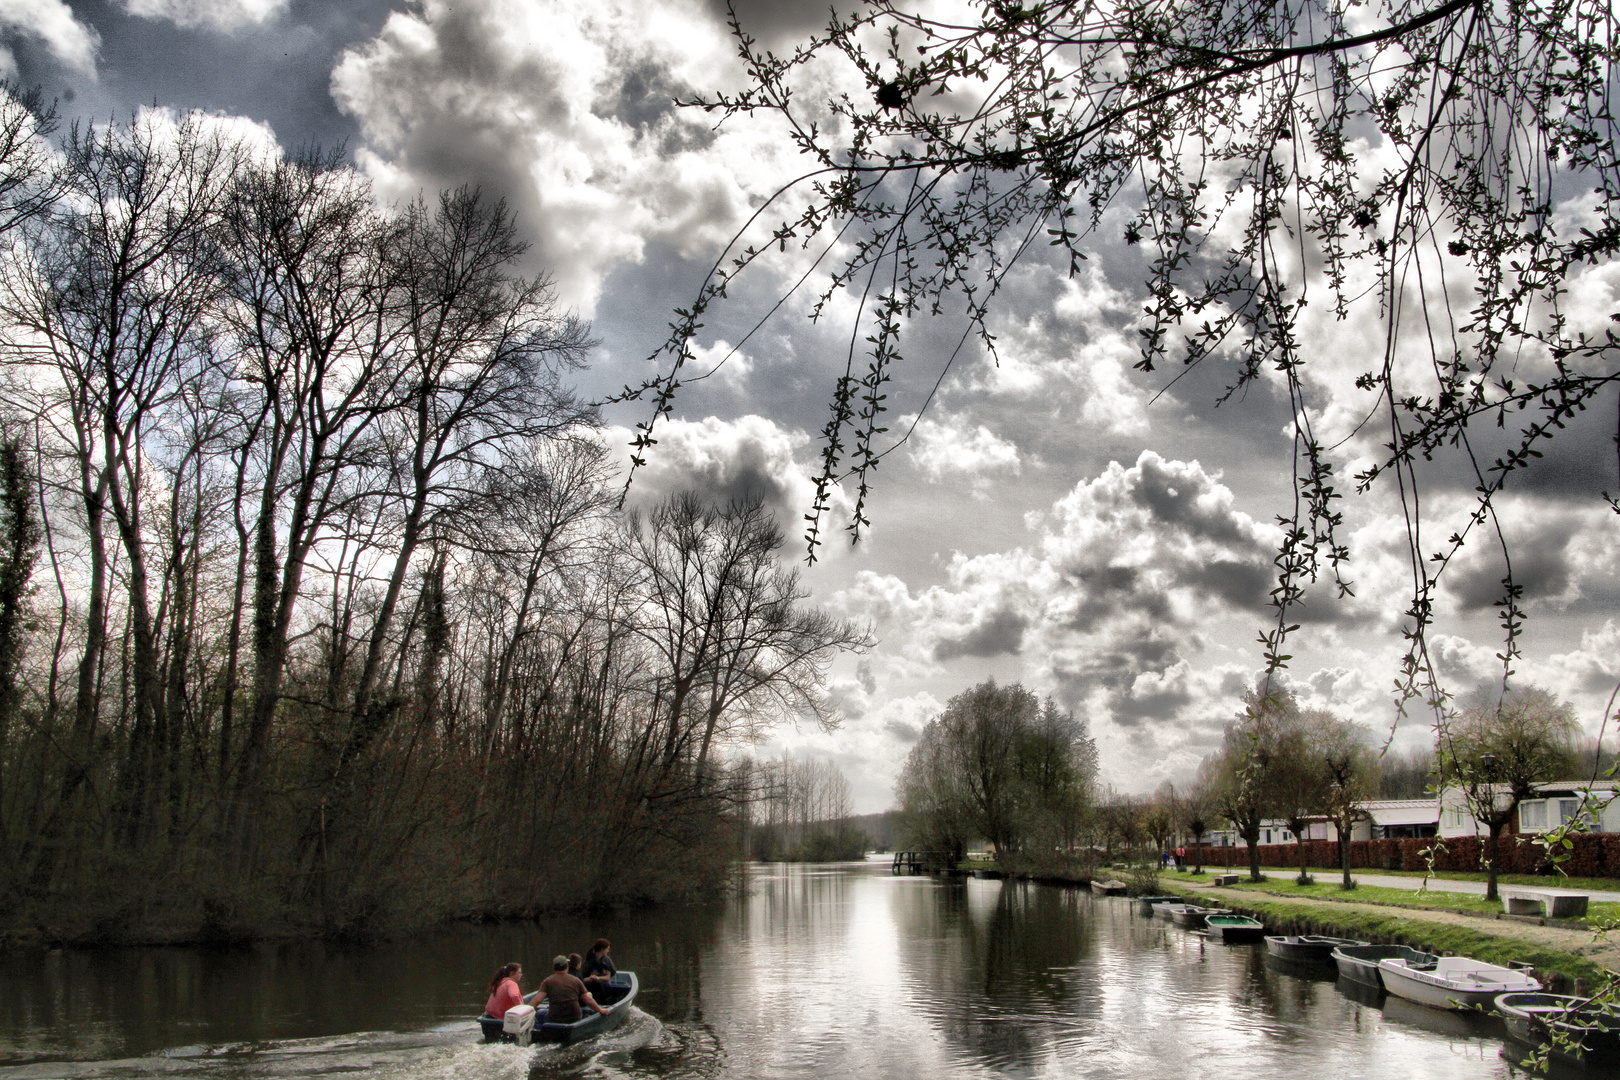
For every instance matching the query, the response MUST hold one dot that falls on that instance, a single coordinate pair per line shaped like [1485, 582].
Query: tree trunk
[1490, 860]
[1254, 860]
[1344, 855]
[1299, 845]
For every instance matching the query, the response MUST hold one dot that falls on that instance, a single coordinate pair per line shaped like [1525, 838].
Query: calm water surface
[837, 971]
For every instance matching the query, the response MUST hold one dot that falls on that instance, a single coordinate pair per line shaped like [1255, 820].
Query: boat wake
[449, 1052]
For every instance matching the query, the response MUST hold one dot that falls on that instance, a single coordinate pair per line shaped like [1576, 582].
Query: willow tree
[1411, 164]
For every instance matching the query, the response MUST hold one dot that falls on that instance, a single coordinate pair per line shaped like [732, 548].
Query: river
[836, 971]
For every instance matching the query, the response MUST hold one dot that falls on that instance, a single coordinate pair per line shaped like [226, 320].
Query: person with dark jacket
[598, 967]
[565, 992]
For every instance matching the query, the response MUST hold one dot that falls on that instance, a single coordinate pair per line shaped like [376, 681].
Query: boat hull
[1307, 949]
[1592, 1034]
[1359, 963]
[1146, 904]
[1234, 929]
[1109, 888]
[1189, 917]
[624, 988]
[1453, 983]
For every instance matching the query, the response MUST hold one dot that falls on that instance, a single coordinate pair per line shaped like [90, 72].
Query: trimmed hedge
[1594, 855]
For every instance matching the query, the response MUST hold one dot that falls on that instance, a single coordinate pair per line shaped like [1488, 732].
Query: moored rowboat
[1359, 963]
[1574, 1029]
[1191, 917]
[1307, 948]
[1109, 888]
[1232, 929]
[1146, 904]
[1454, 982]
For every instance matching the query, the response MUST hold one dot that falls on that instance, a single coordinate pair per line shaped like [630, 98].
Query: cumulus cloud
[945, 448]
[566, 108]
[1116, 593]
[51, 21]
[726, 460]
[222, 15]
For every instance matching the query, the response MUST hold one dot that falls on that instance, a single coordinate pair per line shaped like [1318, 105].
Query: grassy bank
[1306, 914]
[1280, 882]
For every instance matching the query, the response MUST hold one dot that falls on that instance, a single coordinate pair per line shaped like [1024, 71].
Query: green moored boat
[1234, 929]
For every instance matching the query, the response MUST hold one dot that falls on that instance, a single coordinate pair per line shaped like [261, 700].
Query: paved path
[1475, 888]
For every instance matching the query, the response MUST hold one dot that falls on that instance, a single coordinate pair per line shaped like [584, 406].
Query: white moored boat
[1453, 982]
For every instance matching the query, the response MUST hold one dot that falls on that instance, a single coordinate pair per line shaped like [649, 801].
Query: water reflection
[831, 971]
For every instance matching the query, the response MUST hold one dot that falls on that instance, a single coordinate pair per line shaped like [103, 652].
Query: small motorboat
[617, 999]
[1360, 962]
[1167, 911]
[1453, 982]
[1191, 917]
[1146, 904]
[1109, 888]
[1574, 1030]
[1234, 929]
[1307, 948]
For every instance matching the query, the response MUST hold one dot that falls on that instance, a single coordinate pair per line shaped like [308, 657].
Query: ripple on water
[446, 1052]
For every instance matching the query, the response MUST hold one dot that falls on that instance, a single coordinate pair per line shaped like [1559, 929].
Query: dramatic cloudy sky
[1054, 518]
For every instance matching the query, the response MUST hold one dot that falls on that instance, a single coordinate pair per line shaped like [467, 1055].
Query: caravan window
[1533, 815]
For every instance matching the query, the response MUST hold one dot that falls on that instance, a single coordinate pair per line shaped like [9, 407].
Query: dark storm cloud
[1109, 592]
[902, 731]
[1541, 566]
[1131, 709]
[773, 22]
[1577, 462]
[1173, 494]
[1002, 632]
[277, 72]
[1245, 585]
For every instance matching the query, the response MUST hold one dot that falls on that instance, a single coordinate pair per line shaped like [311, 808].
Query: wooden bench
[1551, 903]
[1225, 879]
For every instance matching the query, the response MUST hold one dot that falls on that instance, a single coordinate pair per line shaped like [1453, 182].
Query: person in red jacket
[504, 992]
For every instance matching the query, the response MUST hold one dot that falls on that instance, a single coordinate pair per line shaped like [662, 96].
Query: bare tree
[306, 288]
[1244, 778]
[479, 360]
[734, 642]
[116, 302]
[1352, 778]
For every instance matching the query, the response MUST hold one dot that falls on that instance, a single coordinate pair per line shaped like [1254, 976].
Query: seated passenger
[598, 967]
[504, 992]
[565, 992]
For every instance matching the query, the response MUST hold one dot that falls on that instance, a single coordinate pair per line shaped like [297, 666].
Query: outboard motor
[520, 1023]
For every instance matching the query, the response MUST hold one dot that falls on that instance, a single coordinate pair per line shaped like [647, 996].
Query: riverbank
[1560, 954]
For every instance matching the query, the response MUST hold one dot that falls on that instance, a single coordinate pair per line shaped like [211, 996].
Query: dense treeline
[314, 610]
[802, 813]
[1001, 766]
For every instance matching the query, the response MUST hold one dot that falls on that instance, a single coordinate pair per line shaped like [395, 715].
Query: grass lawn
[1546, 881]
[1280, 882]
